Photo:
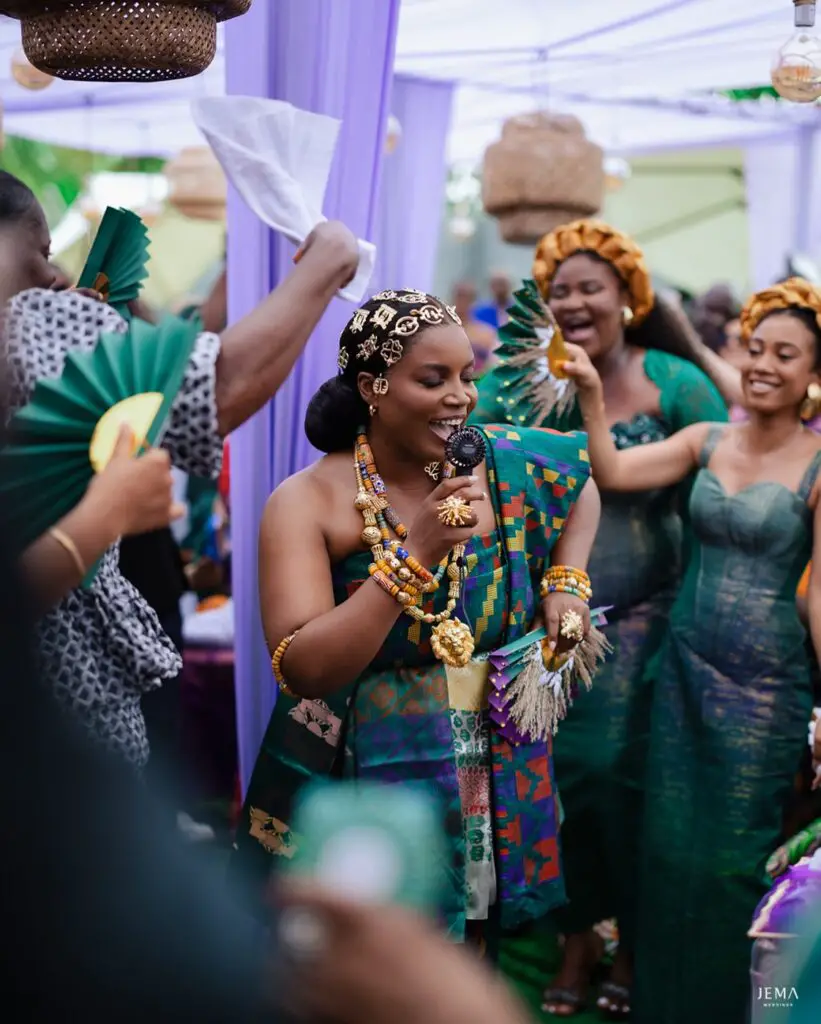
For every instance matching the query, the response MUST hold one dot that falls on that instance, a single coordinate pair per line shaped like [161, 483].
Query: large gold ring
[572, 627]
[455, 512]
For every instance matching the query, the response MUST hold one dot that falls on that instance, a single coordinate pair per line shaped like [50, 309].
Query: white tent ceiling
[635, 72]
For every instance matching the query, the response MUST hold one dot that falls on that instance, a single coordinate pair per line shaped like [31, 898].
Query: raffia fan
[197, 186]
[542, 173]
[121, 40]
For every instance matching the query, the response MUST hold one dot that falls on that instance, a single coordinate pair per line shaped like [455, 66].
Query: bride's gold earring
[372, 410]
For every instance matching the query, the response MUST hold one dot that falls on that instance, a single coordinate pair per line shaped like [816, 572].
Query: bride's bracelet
[564, 579]
[276, 665]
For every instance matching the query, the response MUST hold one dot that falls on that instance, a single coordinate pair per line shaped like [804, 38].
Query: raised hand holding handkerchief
[279, 159]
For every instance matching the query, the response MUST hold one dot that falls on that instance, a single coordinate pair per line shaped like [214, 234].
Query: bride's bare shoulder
[317, 487]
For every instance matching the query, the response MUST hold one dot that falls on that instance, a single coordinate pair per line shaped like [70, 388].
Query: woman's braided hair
[608, 244]
[792, 294]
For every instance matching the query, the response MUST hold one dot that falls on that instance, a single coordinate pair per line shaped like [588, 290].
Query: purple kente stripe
[499, 715]
[539, 821]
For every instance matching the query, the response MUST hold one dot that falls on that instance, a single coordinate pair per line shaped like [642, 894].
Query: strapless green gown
[728, 728]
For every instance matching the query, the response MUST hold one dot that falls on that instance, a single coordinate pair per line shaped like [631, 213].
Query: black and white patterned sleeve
[192, 436]
[41, 328]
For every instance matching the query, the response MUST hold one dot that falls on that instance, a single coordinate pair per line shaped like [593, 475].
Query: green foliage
[57, 174]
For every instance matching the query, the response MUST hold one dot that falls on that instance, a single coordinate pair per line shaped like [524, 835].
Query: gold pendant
[452, 643]
[433, 469]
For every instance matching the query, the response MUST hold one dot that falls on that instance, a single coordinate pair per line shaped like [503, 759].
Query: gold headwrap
[620, 251]
[796, 293]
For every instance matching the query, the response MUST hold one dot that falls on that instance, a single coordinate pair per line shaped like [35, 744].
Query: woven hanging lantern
[542, 173]
[197, 186]
[121, 40]
[27, 75]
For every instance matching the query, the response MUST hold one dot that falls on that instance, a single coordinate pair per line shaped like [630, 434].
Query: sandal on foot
[564, 997]
[614, 1001]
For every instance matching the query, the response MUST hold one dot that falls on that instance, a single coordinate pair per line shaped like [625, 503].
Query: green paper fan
[69, 427]
[116, 265]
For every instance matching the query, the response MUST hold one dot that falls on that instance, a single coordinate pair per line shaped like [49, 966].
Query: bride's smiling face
[431, 392]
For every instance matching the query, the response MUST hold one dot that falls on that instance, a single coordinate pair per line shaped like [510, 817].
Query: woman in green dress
[374, 659]
[596, 284]
[733, 691]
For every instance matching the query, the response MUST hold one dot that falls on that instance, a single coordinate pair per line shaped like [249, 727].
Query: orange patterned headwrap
[796, 293]
[620, 251]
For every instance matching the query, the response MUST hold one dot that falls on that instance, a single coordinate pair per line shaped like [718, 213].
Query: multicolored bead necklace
[398, 572]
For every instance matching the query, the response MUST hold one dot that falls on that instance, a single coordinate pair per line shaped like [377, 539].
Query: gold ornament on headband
[367, 348]
[610, 245]
[342, 360]
[383, 316]
[796, 293]
[358, 321]
[391, 351]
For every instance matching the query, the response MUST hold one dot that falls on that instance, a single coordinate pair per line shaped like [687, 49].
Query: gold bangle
[71, 549]
[276, 666]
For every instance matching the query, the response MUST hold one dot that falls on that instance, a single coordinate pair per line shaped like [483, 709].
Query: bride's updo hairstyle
[377, 336]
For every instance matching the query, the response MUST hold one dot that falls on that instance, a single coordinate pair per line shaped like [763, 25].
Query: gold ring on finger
[455, 512]
[572, 626]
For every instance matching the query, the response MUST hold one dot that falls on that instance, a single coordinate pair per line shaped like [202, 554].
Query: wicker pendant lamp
[121, 40]
[542, 173]
[196, 184]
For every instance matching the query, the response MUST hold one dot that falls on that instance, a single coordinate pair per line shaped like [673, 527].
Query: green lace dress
[600, 749]
[729, 726]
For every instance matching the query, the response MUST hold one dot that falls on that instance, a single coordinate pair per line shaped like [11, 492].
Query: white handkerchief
[278, 158]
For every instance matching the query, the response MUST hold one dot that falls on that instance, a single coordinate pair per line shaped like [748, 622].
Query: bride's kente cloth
[404, 720]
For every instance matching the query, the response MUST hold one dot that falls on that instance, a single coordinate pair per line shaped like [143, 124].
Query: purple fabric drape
[337, 59]
[413, 184]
